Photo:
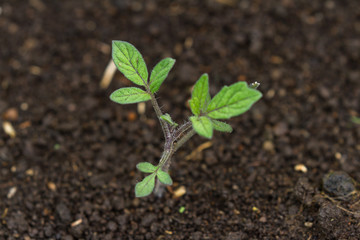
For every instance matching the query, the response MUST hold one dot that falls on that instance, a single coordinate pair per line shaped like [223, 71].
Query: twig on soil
[108, 75]
[337, 204]
[198, 150]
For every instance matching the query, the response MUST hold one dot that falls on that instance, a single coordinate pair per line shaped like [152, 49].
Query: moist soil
[69, 172]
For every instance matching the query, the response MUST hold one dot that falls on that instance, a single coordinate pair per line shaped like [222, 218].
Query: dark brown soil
[70, 171]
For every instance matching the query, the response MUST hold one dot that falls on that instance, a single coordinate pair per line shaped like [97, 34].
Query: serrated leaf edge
[129, 58]
[156, 87]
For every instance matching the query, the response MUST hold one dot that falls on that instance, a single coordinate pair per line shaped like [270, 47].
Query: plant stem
[181, 130]
[170, 138]
[164, 126]
[183, 140]
[164, 165]
[165, 160]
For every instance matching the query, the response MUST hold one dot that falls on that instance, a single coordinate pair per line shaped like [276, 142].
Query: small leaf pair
[146, 186]
[130, 62]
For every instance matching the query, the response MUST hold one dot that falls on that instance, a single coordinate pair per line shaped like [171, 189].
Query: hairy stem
[164, 126]
[171, 137]
[181, 130]
[170, 149]
[164, 164]
[184, 139]
[159, 188]
[165, 160]
[155, 104]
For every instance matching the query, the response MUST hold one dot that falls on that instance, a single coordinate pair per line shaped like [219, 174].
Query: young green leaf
[221, 126]
[182, 209]
[200, 96]
[146, 167]
[202, 125]
[164, 177]
[146, 186]
[159, 73]
[355, 119]
[194, 103]
[130, 62]
[167, 118]
[232, 101]
[129, 95]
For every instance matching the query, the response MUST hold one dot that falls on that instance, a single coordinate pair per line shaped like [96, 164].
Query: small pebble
[63, 212]
[339, 184]
[141, 107]
[308, 224]
[11, 114]
[51, 186]
[24, 125]
[338, 156]
[29, 172]
[24, 106]
[131, 116]
[262, 219]
[255, 209]
[301, 168]
[276, 60]
[77, 222]
[148, 219]
[280, 129]
[9, 129]
[268, 146]
[11, 192]
[179, 192]
[112, 226]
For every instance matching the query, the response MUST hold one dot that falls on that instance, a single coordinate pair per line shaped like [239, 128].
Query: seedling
[231, 101]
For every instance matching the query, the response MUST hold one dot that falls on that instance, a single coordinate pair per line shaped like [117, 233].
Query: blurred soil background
[68, 154]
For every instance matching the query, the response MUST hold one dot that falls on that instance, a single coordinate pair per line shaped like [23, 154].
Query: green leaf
[194, 103]
[202, 125]
[200, 96]
[146, 167]
[355, 120]
[129, 95]
[221, 126]
[130, 62]
[167, 118]
[146, 186]
[182, 209]
[232, 101]
[159, 73]
[164, 177]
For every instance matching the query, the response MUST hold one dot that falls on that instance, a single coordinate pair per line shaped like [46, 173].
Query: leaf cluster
[230, 101]
[130, 62]
[146, 186]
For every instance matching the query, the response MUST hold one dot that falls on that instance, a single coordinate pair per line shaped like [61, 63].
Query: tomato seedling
[229, 102]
